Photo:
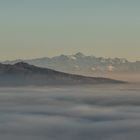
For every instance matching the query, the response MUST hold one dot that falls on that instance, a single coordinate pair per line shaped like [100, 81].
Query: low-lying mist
[130, 77]
[110, 112]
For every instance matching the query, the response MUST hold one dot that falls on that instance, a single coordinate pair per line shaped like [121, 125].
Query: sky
[39, 28]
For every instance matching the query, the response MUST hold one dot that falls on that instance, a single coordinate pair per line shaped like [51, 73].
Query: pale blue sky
[38, 28]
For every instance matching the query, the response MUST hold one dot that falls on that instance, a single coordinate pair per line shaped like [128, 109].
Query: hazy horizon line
[67, 54]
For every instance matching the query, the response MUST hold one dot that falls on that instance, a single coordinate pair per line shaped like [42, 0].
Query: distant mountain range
[23, 74]
[82, 64]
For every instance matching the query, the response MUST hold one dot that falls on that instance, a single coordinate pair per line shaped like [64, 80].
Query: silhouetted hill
[23, 74]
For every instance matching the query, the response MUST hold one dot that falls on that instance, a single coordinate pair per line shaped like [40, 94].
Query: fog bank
[70, 113]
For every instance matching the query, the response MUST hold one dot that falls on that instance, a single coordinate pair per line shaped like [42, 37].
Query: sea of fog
[109, 112]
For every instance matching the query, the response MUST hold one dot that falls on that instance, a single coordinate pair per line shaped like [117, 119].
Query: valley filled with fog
[102, 112]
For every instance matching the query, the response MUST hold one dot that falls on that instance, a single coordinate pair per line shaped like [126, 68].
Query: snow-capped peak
[79, 54]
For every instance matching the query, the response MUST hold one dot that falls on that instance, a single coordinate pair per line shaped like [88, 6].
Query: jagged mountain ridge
[23, 74]
[81, 64]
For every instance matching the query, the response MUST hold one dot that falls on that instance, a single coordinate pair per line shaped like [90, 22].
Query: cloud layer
[70, 113]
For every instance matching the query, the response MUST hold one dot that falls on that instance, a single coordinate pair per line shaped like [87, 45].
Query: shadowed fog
[70, 113]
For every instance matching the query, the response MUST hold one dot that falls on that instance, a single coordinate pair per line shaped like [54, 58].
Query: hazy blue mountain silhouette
[82, 64]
